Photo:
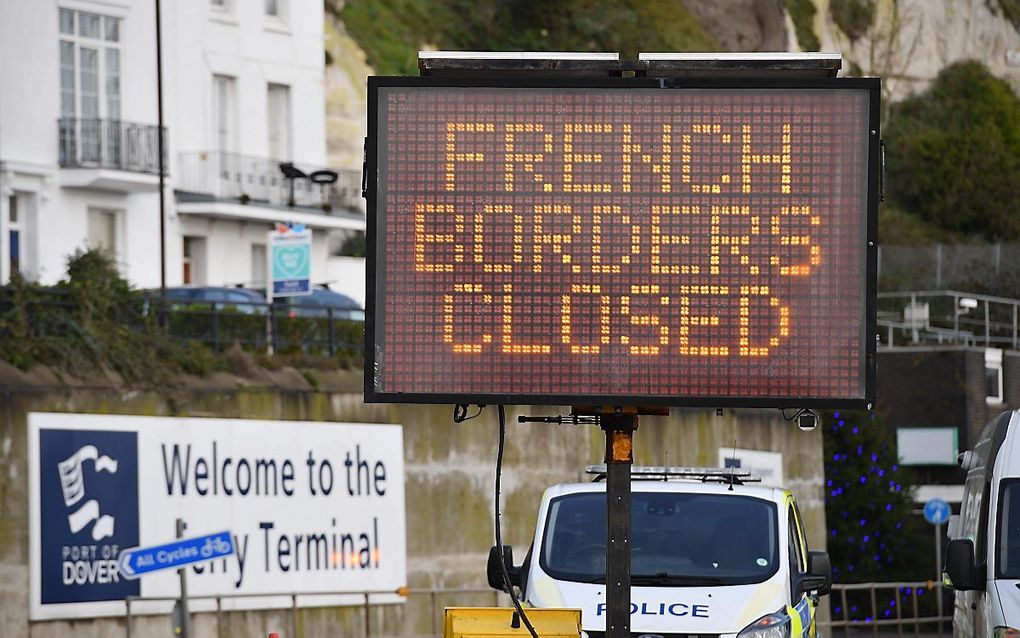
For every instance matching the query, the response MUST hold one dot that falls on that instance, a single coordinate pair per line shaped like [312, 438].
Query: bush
[802, 13]
[953, 153]
[853, 17]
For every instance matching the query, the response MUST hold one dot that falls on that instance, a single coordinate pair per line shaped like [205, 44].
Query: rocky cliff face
[906, 42]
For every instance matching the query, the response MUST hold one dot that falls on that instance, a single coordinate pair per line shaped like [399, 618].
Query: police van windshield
[677, 539]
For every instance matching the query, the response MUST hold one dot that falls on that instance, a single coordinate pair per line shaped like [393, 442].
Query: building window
[276, 9]
[225, 112]
[16, 236]
[993, 375]
[278, 111]
[102, 231]
[258, 266]
[90, 53]
[194, 260]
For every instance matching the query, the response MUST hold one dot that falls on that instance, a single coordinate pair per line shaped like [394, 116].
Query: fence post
[874, 612]
[368, 619]
[127, 617]
[1014, 326]
[917, 620]
[938, 266]
[987, 325]
[432, 597]
[332, 333]
[899, 614]
[215, 328]
[846, 615]
[219, 617]
[293, 615]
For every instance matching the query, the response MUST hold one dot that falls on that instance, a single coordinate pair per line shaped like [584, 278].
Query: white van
[709, 556]
[983, 555]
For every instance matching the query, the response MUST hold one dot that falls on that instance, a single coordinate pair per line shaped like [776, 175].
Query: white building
[243, 84]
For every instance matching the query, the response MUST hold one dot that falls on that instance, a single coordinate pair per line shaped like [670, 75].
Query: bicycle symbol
[214, 547]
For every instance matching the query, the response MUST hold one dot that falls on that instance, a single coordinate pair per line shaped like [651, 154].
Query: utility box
[495, 622]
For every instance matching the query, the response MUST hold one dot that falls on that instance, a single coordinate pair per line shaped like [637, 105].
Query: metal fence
[948, 317]
[889, 606]
[992, 269]
[113, 144]
[434, 601]
[907, 614]
[259, 326]
[260, 180]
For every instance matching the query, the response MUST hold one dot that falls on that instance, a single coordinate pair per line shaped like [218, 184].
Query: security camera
[807, 420]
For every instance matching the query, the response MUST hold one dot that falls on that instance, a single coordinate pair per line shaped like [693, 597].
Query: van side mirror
[494, 571]
[960, 565]
[818, 578]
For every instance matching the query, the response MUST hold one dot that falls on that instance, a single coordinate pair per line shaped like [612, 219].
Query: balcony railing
[259, 180]
[110, 144]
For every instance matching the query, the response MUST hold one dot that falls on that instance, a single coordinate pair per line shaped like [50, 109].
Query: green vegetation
[802, 12]
[93, 326]
[953, 155]
[90, 323]
[391, 33]
[853, 17]
[1011, 9]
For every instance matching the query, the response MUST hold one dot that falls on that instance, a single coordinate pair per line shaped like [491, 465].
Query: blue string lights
[873, 535]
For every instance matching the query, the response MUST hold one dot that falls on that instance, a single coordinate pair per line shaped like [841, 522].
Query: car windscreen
[1007, 551]
[676, 539]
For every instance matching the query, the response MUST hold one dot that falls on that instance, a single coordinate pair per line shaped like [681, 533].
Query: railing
[948, 317]
[258, 326]
[907, 614]
[992, 269]
[259, 180]
[898, 607]
[112, 144]
[434, 596]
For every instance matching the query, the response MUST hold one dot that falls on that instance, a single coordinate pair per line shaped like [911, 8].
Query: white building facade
[243, 85]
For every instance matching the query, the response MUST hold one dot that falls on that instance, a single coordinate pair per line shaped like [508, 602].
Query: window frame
[993, 361]
[101, 45]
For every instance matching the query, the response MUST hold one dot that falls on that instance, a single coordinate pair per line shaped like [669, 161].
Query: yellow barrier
[494, 622]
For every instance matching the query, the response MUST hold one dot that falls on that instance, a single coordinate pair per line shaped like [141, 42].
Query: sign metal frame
[374, 227]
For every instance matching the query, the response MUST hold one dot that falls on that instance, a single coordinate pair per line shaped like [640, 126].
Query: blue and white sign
[290, 260]
[138, 561]
[312, 508]
[936, 511]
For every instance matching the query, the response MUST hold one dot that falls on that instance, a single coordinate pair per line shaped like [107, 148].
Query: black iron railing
[259, 180]
[112, 144]
[256, 326]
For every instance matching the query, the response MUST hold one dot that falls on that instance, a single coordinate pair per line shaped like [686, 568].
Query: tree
[953, 153]
[873, 535]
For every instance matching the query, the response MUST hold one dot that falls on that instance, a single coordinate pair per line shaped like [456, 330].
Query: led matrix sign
[621, 244]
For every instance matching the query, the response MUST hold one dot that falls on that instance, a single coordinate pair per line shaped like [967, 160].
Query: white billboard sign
[314, 508]
[768, 466]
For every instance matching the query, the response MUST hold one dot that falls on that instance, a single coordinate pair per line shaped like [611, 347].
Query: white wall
[29, 111]
[256, 50]
[347, 275]
[198, 42]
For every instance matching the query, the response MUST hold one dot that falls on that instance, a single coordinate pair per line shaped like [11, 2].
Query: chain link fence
[992, 269]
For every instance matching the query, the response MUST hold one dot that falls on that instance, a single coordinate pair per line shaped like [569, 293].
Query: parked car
[319, 303]
[244, 301]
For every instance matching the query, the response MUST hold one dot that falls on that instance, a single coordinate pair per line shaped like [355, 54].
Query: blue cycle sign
[936, 511]
[138, 561]
[290, 260]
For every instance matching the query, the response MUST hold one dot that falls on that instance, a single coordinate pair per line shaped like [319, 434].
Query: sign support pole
[183, 574]
[619, 430]
[938, 572]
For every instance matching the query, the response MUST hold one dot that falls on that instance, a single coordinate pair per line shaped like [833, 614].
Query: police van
[710, 556]
[983, 555]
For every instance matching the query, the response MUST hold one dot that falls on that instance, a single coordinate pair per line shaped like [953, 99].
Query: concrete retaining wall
[449, 491]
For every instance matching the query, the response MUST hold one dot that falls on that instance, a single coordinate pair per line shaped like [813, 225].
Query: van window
[676, 539]
[1007, 564]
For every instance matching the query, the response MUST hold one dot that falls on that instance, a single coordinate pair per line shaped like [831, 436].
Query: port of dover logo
[89, 512]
